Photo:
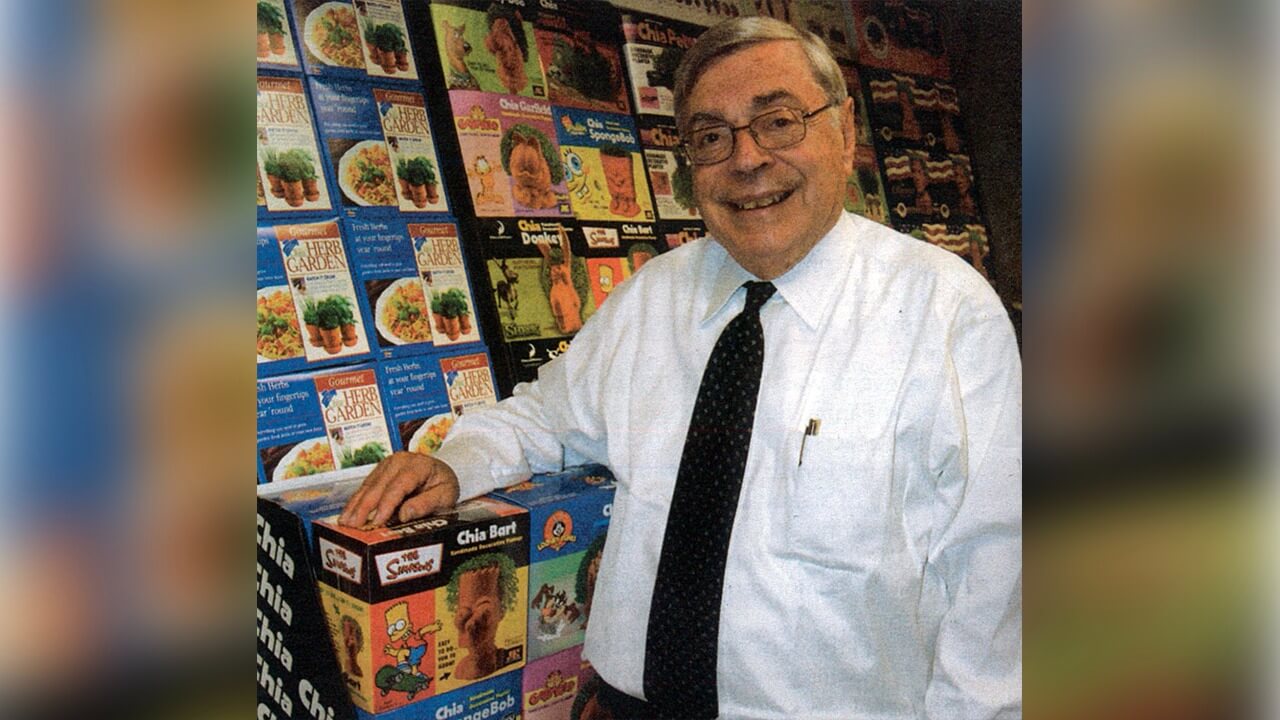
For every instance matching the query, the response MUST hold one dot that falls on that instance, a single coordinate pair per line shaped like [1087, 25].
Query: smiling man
[815, 424]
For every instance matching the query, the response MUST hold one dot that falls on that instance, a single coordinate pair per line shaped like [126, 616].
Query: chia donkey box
[423, 608]
[568, 517]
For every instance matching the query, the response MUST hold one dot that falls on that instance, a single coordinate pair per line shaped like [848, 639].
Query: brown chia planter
[331, 340]
[311, 189]
[349, 337]
[293, 193]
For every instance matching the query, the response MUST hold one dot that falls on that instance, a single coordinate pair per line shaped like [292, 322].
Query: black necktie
[684, 617]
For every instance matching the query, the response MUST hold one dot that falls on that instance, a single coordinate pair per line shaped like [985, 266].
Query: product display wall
[448, 190]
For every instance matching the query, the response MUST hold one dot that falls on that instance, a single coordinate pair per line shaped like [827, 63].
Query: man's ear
[849, 131]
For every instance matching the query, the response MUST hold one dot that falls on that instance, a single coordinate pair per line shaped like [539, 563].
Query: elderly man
[815, 423]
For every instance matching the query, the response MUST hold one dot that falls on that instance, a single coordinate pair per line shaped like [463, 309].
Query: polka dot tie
[684, 617]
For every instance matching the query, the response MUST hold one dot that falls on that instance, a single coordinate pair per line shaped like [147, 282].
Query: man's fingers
[421, 484]
[437, 497]
[389, 482]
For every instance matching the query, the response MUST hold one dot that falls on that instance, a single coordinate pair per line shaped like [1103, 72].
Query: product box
[538, 275]
[670, 174]
[309, 313]
[489, 46]
[653, 49]
[604, 170]
[276, 48]
[426, 393]
[551, 685]
[366, 39]
[615, 252]
[579, 44]
[510, 154]
[568, 518]
[312, 424]
[377, 141]
[426, 607]
[413, 277]
[493, 699]
[290, 176]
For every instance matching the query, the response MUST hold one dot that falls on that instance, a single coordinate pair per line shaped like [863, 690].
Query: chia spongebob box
[313, 424]
[427, 607]
[497, 698]
[568, 518]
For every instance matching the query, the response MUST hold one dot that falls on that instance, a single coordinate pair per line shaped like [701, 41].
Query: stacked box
[493, 699]
[309, 313]
[427, 607]
[413, 278]
[276, 47]
[291, 178]
[312, 425]
[568, 517]
[551, 684]
[419, 403]
[373, 137]
[369, 39]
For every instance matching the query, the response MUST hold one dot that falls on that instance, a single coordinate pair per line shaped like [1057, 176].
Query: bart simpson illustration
[407, 645]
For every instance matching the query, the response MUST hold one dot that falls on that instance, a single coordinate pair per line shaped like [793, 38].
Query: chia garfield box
[568, 518]
[427, 607]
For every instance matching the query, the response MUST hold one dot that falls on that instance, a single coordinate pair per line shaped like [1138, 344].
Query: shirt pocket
[837, 503]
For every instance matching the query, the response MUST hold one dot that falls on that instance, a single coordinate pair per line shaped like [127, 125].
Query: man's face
[768, 208]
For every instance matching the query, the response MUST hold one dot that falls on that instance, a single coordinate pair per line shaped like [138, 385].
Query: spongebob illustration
[588, 193]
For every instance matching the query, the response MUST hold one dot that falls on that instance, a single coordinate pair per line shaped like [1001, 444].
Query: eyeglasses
[773, 130]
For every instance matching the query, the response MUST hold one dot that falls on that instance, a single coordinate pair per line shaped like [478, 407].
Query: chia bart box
[423, 608]
[568, 518]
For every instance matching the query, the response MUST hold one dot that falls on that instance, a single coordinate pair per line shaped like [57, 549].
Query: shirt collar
[809, 287]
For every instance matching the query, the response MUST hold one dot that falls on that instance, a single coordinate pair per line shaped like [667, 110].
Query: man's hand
[417, 484]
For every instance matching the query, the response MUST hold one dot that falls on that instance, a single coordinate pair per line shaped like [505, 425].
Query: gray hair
[733, 35]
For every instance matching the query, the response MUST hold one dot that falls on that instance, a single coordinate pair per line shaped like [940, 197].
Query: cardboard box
[568, 517]
[424, 608]
[423, 399]
[497, 698]
[303, 275]
[313, 426]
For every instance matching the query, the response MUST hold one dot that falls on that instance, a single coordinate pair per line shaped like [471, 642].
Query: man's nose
[747, 153]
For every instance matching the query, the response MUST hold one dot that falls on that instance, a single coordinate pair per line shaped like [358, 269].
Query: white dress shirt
[879, 578]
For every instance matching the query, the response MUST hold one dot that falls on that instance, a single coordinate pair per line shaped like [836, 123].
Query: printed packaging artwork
[413, 277]
[541, 288]
[315, 423]
[496, 698]
[670, 175]
[654, 47]
[427, 607]
[309, 314]
[289, 171]
[581, 58]
[378, 142]
[568, 519]
[605, 172]
[491, 49]
[551, 685]
[366, 38]
[510, 153]
[275, 36]
[418, 402]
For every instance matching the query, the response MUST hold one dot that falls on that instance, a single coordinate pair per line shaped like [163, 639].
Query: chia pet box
[426, 607]
[568, 518]
[497, 698]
